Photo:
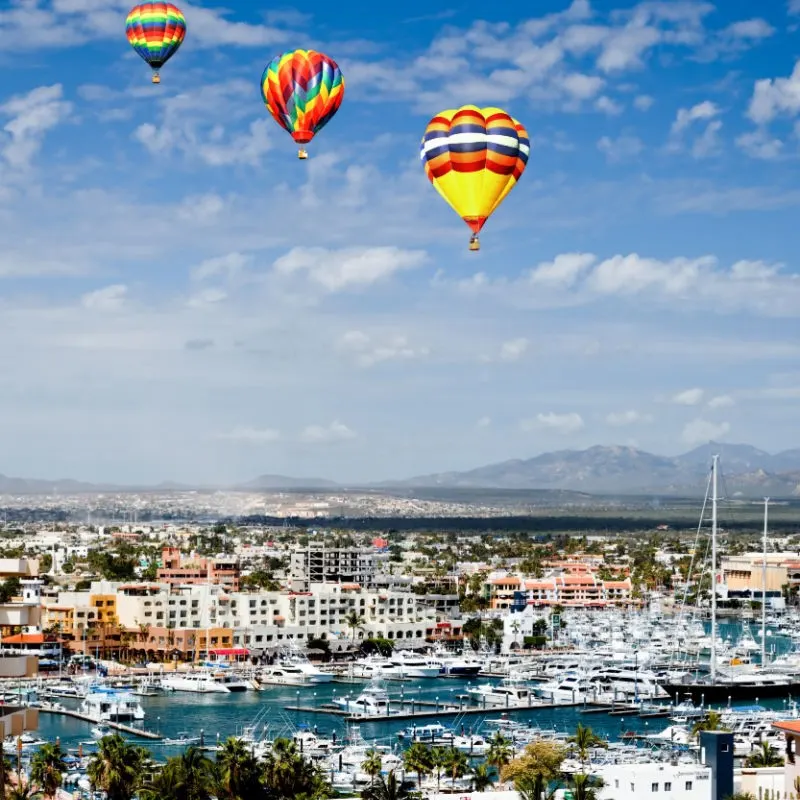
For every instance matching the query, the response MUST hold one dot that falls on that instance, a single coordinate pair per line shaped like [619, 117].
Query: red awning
[231, 651]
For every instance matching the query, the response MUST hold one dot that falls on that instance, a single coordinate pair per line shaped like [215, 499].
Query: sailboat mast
[764, 589]
[714, 465]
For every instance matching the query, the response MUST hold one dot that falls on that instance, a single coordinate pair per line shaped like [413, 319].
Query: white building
[319, 564]
[659, 781]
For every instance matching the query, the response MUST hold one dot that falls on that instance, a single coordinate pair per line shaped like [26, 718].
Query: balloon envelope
[474, 158]
[155, 31]
[302, 89]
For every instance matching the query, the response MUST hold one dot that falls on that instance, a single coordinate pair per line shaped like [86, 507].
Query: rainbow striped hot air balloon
[302, 89]
[474, 158]
[155, 31]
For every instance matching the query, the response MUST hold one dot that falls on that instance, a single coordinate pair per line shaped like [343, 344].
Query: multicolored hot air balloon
[302, 89]
[474, 158]
[155, 30]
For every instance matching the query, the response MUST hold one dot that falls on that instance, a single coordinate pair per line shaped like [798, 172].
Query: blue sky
[183, 299]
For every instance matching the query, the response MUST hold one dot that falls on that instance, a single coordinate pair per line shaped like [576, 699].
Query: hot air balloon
[155, 30]
[474, 158]
[302, 89]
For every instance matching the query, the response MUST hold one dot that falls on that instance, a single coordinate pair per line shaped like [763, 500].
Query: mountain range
[745, 470]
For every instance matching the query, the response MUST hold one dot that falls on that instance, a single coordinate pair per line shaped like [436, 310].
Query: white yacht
[507, 693]
[568, 688]
[627, 683]
[455, 666]
[373, 667]
[373, 701]
[410, 666]
[108, 705]
[294, 673]
[200, 682]
[232, 682]
[311, 745]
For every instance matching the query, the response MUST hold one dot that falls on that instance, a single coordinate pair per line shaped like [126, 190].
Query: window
[667, 786]
[688, 786]
[653, 787]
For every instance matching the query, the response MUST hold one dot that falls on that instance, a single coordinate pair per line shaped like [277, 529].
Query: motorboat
[110, 705]
[200, 682]
[409, 665]
[372, 702]
[293, 673]
[507, 693]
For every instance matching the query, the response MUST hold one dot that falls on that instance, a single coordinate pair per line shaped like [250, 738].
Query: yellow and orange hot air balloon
[474, 158]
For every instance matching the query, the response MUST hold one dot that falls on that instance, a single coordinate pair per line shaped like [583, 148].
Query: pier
[119, 726]
[422, 709]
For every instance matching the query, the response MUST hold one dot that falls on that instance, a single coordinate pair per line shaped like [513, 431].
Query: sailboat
[719, 685]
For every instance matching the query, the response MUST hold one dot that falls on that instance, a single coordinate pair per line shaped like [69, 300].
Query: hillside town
[376, 657]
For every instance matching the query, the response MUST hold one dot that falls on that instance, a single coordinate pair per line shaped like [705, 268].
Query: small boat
[181, 740]
[109, 705]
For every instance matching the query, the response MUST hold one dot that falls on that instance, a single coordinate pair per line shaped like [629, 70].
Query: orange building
[177, 571]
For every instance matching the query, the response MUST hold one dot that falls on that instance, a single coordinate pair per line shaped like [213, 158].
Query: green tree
[499, 753]
[418, 759]
[238, 772]
[482, 778]
[765, 756]
[286, 774]
[584, 787]
[48, 768]
[535, 769]
[388, 788]
[116, 767]
[584, 740]
[456, 764]
[23, 791]
[372, 764]
[355, 622]
[711, 722]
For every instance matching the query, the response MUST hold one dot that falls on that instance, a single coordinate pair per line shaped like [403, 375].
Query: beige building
[15, 721]
[744, 573]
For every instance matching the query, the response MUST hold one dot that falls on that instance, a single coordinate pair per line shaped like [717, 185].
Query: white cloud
[689, 397]
[622, 419]
[32, 115]
[793, 7]
[700, 431]
[774, 96]
[514, 349]
[483, 422]
[686, 116]
[110, 298]
[753, 29]
[643, 102]
[562, 271]
[253, 435]
[369, 352]
[319, 434]
[335, 270]
[721, 401]
[708, 143]
[225, 266]
[623, 148]
[608, 106]
[560, 423]
[759, 144]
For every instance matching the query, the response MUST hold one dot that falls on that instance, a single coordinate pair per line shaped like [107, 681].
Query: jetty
[119, 726]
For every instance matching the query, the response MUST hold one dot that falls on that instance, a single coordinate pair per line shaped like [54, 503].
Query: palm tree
[584, 787]
[741, 796]
[48, 768]
[23, 791]
[438, 757]
[165, 784]
[499, 751]
[456, 764]
[711, 722]
[584, 740]
[372, 765]
[355, 622]
[481, 778]
[287, 774]
[197, 775]
[418, 759]
[116, 767]
[388, 788]
[515, 631]
[237, 771]
[765, 756]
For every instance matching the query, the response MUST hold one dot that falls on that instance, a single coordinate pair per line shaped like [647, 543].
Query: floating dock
[119, 726]
[420, 709]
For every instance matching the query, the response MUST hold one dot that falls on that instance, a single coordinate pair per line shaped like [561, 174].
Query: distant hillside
[611, 470]
[264, 483]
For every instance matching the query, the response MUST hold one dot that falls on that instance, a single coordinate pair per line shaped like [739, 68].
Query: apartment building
[177, 570]
[583, 589]
[318, 564]
[198, 618]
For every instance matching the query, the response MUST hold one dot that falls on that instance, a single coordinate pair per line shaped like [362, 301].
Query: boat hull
[720, 692]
